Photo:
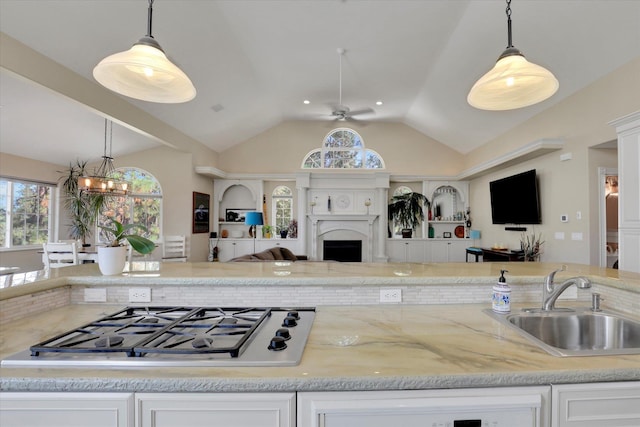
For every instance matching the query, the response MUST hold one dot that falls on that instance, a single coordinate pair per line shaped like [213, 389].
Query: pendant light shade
[513, 82]
[144, 72]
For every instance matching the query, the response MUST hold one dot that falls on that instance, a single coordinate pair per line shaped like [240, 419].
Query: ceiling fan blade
[361, 111]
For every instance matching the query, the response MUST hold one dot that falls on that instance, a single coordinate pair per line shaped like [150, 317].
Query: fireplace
[342, 250]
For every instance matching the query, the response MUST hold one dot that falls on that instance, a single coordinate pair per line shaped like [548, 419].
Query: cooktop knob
[277, 344]
[289, 321]
[294, 314]
[284, 333]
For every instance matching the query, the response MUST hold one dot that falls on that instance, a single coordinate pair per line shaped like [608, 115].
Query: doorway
[609, 249]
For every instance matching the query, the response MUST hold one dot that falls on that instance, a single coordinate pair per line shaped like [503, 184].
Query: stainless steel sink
[579, 332]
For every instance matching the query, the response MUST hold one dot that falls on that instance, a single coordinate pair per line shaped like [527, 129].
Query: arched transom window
[343, 148]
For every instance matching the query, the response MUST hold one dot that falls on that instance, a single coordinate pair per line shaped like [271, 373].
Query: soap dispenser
[501, 299]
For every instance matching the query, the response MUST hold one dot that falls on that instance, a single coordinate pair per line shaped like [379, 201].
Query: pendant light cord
[110, 139]
[150, 18]
[508, 11]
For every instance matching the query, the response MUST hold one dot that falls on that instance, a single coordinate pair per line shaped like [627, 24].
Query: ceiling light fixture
[144, 72]
[513, 82]
[104, 179]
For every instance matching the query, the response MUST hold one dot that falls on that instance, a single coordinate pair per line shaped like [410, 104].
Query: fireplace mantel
[346, 217]
[362, 224]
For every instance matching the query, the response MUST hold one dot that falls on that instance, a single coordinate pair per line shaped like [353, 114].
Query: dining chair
[58, 255]
[174, 249]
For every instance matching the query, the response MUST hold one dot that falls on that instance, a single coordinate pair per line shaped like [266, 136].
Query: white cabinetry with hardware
[67, 409]
[407, 250]
[216, 409]
[596, 405]
[448, 250]
[231, 248]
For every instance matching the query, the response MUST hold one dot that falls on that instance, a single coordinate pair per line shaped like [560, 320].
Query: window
[25, 216]
[343, 148]
[143, 205]
[282, 207]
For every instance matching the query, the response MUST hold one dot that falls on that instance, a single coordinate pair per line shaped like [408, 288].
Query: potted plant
[112, 258]
[531, 246]
[283, 232]
[266, 231]
[407, 211]
[83, 209]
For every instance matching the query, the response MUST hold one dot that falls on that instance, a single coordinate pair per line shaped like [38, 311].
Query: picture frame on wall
[200, 212]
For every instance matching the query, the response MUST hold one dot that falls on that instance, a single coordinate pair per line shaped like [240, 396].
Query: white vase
[111, 259]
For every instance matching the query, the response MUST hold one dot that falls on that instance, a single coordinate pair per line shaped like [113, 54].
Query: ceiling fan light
[144, 72]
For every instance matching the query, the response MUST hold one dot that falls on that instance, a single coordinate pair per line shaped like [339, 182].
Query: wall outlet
[95, 295]
[139, 294]
[390, 295]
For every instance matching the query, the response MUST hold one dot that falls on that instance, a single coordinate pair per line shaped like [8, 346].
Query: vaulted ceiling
[254, 62]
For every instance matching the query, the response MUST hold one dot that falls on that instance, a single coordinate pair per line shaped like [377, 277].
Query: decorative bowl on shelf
[237, 234]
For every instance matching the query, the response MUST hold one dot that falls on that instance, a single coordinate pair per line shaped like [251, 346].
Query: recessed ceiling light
[306, 102]
[378, 102]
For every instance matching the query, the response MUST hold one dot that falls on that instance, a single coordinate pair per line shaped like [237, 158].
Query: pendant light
[144, 72]
[104, 179]
[513, 82]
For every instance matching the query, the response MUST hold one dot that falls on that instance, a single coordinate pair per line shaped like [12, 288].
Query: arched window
[343, 148]
[403, 189]
[143, 204]
[282, 207]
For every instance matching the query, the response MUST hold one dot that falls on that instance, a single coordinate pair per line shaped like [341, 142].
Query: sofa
[272, 254]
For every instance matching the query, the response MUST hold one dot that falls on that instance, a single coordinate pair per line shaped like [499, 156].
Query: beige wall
[566, 187]
[175, 172]
[282, 148]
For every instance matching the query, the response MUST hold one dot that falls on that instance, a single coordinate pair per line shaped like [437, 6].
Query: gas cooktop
[179, 337]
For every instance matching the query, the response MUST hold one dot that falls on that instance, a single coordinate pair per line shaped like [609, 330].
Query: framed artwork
[236, 215]
[200, 213]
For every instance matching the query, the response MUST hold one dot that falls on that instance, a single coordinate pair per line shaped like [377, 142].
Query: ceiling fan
[341, 111]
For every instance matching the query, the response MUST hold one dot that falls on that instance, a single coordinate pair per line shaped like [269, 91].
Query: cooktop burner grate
[137, 331]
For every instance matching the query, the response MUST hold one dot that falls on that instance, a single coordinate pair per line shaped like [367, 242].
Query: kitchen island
[436, 340]
[437, 337]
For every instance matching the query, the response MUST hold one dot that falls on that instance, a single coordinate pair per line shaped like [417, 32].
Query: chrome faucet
[551, 292]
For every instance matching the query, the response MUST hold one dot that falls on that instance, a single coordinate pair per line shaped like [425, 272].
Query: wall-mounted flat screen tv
[514, 199]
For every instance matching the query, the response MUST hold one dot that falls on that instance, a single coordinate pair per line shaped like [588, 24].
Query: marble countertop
[322, 273]
[383, 347]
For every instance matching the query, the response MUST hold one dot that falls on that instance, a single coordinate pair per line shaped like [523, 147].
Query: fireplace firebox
[342, 250]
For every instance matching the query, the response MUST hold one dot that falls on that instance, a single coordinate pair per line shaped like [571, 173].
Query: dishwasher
[478, 407]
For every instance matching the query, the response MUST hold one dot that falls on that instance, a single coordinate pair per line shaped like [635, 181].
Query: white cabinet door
[215, 409]
[448, 250]
[228, 248]
[499, 407]
[406, 250]
[596, 405]
[66, 410]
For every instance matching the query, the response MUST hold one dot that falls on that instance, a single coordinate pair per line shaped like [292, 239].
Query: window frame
[274, 207]
[51, 212]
